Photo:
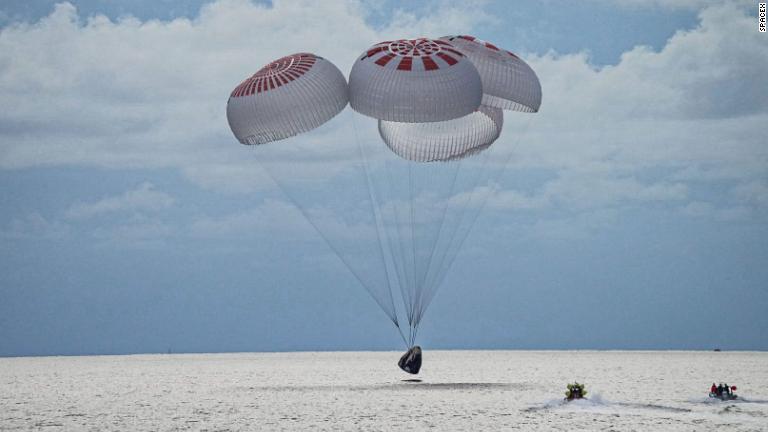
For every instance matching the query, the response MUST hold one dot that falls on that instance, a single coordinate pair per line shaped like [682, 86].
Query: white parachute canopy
[508, 82]
[291, 95]
[414, 81]
[444, 140]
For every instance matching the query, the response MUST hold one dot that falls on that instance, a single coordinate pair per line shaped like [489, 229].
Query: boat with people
[723, 392]
[575, 391]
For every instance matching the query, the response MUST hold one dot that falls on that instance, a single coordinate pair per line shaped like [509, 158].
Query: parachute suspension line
[441, 268]
[456, 239]
[455, 165]
[402, 336]
[411, 335]
[390, 213]
[413, 243]
[442, 218]
[404, 279]
[378, 222]
[327, 241]
[453, 253]
[415, 331]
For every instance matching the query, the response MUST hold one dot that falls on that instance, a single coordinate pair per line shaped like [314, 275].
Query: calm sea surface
[461, 390]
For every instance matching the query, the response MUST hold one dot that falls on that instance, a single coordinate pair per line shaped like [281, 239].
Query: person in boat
[579, 391]
[713, 389]
[575, 391]
[719, 391]
[726, 390]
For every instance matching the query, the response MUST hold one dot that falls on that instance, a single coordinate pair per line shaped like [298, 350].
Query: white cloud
[143, 198]
[440, 19]
[697, 209]
[34, 225]
[269, 217]
[588, 190]
[239, 178]
[698, 100]
[754, 192]
[580, 227]
[131, 93]
[148, 94]
[707, 210]
[511, 199]
[723, 171]
[135, 233]
[273, 216]
[669, 4]
[643, 129]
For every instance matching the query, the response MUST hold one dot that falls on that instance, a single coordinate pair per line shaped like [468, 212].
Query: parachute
[393, 198]
[444, 140]
[508, 82]
[291, 95]
[414, 81]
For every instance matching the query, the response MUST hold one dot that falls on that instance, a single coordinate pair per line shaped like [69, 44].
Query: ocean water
[460, 390]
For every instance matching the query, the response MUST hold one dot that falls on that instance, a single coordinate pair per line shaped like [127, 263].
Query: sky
[632, 214]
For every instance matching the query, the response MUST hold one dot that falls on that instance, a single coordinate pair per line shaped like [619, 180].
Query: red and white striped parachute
[508, 82]
[426, 93]
[291, 95]
[414, 81]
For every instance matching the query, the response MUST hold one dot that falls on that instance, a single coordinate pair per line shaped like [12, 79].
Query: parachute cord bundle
[420, 283]
[334, 249]
[452, 253]
[379, 223]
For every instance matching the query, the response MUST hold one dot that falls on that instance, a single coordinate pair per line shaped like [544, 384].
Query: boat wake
[597, 401]
[654, 407]
[739, 400]
[592, 401]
